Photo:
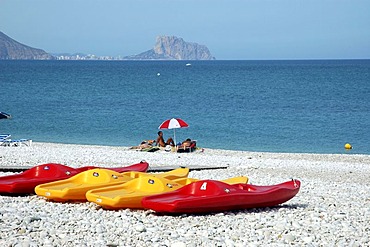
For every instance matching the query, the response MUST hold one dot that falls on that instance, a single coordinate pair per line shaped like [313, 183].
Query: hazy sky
[231, 29]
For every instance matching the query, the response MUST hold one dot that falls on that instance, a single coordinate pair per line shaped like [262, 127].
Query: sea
[301, 106]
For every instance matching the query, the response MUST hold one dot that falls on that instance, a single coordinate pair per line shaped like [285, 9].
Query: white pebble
[178, 244]
[140, 228]
[307, 239]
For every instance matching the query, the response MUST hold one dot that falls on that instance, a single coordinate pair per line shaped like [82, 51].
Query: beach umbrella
[4, 115]
[173, 123]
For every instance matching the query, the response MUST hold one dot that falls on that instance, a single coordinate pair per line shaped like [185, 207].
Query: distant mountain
[13, 50]
[174, 48]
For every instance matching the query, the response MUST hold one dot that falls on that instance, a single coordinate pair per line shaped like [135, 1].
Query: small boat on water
[188, 64]
[25, 182]
[4, 115]
[208, 196]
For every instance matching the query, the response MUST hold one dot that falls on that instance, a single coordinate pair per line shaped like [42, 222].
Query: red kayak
[25, 182]
[208, 196]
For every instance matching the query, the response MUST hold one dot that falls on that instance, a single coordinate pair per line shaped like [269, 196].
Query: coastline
[74, 155]
[332, 207]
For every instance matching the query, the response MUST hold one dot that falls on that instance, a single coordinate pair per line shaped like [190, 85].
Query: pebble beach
[332, 207]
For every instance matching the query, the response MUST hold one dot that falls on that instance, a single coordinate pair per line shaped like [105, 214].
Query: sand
[331, 209]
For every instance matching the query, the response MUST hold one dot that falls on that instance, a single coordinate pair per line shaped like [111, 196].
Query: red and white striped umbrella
[173, 123]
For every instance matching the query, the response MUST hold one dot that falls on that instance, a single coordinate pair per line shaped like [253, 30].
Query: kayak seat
[49, 170]
[208, 187]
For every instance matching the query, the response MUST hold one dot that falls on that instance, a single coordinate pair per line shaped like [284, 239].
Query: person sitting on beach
[186, 146]
[160, 140]
[186, 143]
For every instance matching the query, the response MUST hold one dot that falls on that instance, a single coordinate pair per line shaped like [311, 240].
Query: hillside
[13, 50]
[174, 48]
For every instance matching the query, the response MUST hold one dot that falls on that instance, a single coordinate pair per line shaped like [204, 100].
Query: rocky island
[165, 48]
[13, 50]
[174, 48]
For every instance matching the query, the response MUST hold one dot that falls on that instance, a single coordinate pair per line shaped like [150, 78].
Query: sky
[231, 29]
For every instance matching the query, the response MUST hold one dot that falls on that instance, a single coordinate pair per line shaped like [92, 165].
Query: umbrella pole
[174, 137]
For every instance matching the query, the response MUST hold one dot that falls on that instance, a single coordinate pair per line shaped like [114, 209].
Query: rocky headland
[13, 50]
[165, 48]
[174, 48]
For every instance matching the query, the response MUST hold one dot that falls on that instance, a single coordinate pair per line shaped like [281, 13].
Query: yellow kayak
[130, 194]
[75, 188]
[234, 180]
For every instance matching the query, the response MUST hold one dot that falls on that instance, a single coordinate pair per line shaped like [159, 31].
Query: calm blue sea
[277, 106]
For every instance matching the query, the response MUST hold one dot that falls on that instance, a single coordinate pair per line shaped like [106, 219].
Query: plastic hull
[25, 182]
[214, 196]
[75, 188]
[130, 194]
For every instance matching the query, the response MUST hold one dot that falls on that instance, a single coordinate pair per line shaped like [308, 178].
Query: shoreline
[26, 155]
[344, 151]
[332, 207]
[306, 155]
